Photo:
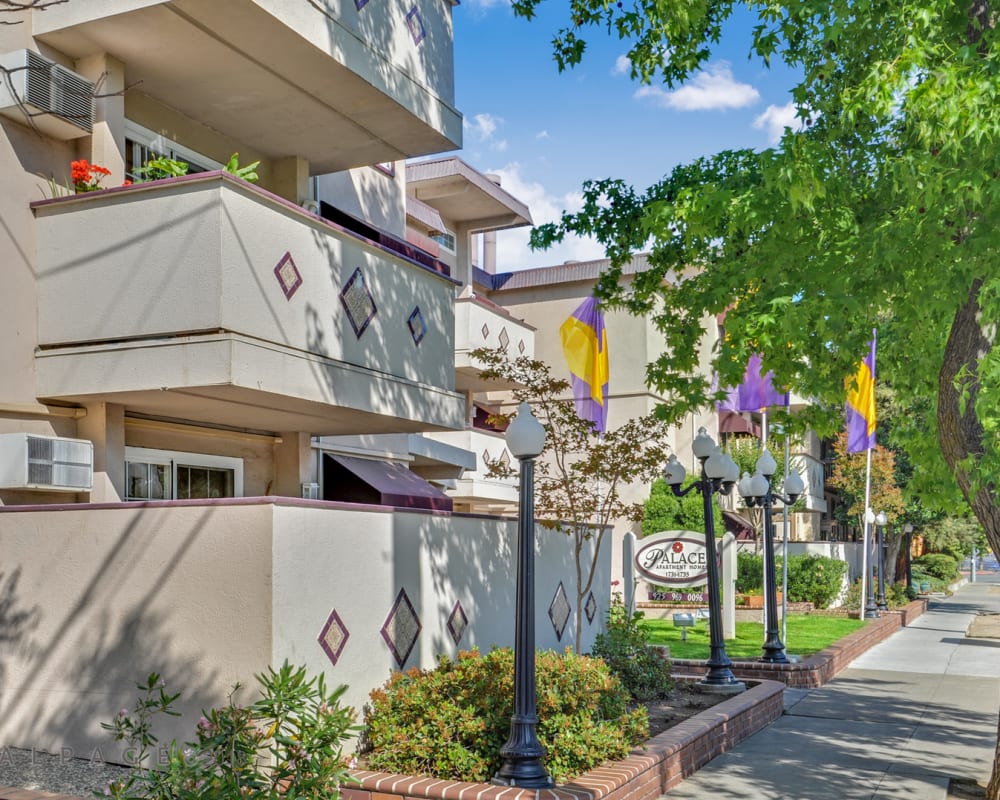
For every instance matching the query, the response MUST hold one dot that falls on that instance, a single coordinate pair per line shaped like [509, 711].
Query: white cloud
[623, 66]
[513, 252]
[712, 89]
[775, 119]
[482, 126]
[542, 135]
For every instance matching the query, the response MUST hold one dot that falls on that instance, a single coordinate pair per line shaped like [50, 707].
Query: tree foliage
[880, 213]
[663, 511]
[850, 476]
[580, 476]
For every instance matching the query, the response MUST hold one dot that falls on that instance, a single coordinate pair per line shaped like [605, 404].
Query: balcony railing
[481, 323]
[208, 298]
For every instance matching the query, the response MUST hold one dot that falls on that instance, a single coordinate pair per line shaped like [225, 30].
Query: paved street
[905, 717]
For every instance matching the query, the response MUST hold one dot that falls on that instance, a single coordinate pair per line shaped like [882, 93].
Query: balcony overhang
[463, 195]
[226, 379]
[288, 79]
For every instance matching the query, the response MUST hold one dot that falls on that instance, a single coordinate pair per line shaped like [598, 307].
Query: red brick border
[821, 667]
[650, 770]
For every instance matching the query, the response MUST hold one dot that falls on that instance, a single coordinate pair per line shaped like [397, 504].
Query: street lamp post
[757, 491]
[881, 520]
[908, 530]
[871, 610]
[718, 474]
[522, 754]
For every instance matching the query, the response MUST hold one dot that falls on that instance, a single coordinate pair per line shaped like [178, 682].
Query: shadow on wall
[73, 660]
[17, 624]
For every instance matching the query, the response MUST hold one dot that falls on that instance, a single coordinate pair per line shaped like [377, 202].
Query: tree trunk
[892, 558]
[961, 435]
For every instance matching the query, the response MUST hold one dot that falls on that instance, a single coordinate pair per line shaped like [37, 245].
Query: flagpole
[864, 538]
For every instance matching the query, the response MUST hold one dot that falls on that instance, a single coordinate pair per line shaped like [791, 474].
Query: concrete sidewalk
[904, 718]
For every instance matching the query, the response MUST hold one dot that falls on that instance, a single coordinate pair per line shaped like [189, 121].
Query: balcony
[338, 85]
[474, 491]
[205, 298]
[482, 323]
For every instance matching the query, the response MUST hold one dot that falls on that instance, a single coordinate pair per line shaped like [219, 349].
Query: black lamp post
[718, 474]
[871, 609]
[908, 530]
[881, 520]
[757, 491]
[522, 754]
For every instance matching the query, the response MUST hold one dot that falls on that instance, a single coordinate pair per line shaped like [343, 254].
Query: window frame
[179, 458]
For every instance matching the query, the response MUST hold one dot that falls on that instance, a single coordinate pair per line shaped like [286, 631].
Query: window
[169, 475]
[142, 144]
[446, 240]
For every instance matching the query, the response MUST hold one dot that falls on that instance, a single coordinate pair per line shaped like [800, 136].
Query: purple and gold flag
[861, 405]
[756, 393]
[585, 344]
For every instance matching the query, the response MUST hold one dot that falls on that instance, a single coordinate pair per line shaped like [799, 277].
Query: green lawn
[806, 635]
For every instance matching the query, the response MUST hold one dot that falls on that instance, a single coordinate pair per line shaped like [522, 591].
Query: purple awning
[363, 480]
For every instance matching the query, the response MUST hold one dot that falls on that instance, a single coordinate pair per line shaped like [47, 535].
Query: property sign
[674, 558]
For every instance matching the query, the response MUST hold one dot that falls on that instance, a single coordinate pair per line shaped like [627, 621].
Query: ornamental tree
[579, 477]
[880, 213]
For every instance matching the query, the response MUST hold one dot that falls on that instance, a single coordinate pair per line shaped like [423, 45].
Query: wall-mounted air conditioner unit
[46, 463]
[59, 102]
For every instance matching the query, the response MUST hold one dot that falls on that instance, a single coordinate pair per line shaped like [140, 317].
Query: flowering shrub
[87, 177]
[286, 744]
[450, 722]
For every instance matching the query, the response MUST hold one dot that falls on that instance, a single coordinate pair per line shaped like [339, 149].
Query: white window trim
[161, 144]
[175, 458]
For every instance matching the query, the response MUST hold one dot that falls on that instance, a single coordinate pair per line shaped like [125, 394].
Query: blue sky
[545, 133]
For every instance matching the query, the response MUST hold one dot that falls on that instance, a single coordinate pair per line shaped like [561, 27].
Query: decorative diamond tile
[417, 325]
[402, 628]
[521, 347]
[559, 611]
[358, 302]
[334, 636]
[590, 608]
[457, 622]
[504, 338]
[505, 458]
[289, 278]
[416, 25]
[486, 456]
[485, 330]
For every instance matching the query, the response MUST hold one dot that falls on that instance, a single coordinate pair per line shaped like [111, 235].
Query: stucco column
[107, 142]
[104, 425]
[292, 464]
[290, 179]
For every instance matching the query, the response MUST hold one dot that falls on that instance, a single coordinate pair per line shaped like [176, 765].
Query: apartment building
[177, 352]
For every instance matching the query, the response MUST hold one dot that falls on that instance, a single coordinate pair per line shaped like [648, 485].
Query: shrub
[749, 573]
[814, 579]
[811, 578]
[643, 672]
[285, 744]
[899, 594]
[450, 722]
[937, 565]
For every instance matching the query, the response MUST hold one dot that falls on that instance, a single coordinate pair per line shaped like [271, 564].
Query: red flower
[87, 177]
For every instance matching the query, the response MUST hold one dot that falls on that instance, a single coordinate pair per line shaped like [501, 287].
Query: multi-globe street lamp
[523, 753]
[718, 474]
[881, 520]
[756, 490]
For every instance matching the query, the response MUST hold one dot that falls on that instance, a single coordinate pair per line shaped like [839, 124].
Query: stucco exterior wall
[96, 598]
[208, 593]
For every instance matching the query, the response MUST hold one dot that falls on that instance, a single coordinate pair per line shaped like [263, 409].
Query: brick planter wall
[659, 765]
[820, 667]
